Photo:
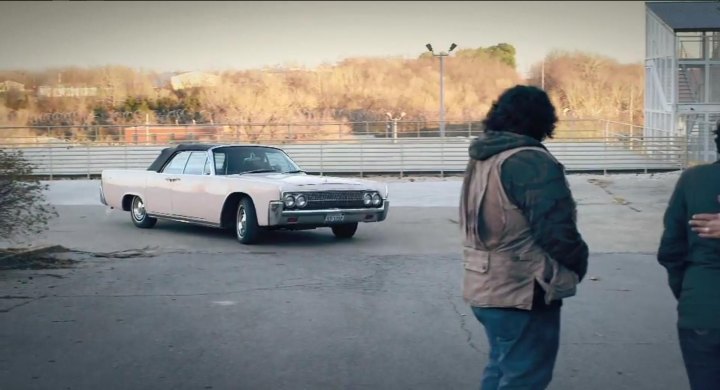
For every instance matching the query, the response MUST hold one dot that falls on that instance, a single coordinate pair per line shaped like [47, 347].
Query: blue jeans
[701, 355]
[523, 347]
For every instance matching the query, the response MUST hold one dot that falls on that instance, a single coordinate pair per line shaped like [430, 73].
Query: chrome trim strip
[184, 220]
[278, 217]
[326, 211]
[102, 196]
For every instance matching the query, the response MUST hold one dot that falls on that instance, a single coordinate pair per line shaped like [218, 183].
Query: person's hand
[706, 225]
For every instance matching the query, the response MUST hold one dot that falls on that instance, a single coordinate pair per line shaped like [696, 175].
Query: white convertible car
[248, 188]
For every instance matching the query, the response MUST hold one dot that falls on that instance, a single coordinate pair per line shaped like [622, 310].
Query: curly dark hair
[523, 110]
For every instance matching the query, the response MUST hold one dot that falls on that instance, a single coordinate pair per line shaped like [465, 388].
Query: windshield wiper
[295, 171]
[258, 171]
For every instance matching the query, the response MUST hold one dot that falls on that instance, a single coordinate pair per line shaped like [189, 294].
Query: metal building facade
[682, 73]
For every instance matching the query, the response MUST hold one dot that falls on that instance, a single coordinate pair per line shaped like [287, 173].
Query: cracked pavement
[184, 307]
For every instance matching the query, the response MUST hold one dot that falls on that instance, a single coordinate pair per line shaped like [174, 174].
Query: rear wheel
[139, 216]
[345, 230]
[247, 230]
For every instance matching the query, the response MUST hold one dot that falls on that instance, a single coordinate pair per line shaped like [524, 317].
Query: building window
[690, 45]
[714, 86]
[691, 84]
[713, 46]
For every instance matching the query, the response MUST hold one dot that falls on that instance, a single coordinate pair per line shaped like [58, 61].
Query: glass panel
[177, 164]
[241, 159]
[714, 46]
[280, 162]
[196, 163]
[208, 167]
[691, 84]
[690, 46]
[220, 167]
[714, 71]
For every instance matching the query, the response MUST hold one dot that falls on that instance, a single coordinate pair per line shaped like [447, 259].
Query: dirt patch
[602, 183]
[48, 257]
[57, 256]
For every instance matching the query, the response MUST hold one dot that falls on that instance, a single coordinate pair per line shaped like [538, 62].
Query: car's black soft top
[167, 153]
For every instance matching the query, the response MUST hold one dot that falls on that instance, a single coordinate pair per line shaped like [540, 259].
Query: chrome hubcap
[241, 222]
[138, 209]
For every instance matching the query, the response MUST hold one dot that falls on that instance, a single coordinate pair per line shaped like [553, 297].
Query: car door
[192, 195]
[160, 185]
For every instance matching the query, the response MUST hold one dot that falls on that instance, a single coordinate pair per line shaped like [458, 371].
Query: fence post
[362, 160]
[367, 128]
[289, 135]
[469, 129]
[51, 159]
[605, 146]
[88, 159]
[442, 158]
[321, 159]
[402, 159]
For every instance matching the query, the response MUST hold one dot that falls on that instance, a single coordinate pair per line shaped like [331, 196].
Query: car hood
[304, 182]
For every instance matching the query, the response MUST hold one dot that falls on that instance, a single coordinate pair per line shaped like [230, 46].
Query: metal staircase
[685, 91]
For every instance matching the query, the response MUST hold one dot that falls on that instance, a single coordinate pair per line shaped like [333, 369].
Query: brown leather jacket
[502, 261]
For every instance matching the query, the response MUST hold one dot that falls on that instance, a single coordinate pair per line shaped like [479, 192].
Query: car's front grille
[333, 199]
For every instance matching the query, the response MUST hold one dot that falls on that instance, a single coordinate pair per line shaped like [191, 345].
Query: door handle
[172, 179]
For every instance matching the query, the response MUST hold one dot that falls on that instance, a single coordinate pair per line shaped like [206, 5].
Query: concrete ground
[185, 307]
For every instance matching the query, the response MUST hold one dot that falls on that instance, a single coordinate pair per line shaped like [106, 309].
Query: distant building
[194, 80]
[9, 84]
[162, 80]
[62, 91]
[166, 134]
[682, 73]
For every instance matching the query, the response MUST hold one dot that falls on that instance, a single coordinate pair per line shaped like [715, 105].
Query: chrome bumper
[279, 217]
[102, 196]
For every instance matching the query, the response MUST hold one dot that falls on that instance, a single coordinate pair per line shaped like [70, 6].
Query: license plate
[334, 218]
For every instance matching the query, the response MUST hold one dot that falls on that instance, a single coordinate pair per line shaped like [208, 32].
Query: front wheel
[247, 230]
[345, 231]
[139, 216]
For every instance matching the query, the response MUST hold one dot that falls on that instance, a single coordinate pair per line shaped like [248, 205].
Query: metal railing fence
[341, 147]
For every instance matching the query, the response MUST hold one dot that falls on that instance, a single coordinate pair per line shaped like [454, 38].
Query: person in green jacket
[706, 225]
[692, 261]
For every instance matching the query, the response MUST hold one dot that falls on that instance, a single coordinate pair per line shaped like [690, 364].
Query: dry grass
[358, 89]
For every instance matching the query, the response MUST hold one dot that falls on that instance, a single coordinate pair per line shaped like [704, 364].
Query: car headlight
[367, 199]
[376, 199]
[300, 201]
[289, 201]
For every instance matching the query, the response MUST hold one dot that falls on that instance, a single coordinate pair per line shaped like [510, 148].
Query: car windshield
[235, 160]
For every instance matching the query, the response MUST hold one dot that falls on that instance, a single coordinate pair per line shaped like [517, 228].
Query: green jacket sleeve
[537, 185]
[674, 242]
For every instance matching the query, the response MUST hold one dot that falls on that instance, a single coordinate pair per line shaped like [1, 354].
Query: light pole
[442, 56]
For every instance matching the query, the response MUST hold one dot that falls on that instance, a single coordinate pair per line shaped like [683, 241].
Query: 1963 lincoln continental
[248, 188]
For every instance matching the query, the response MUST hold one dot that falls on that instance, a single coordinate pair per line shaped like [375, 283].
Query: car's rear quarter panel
[118, 183]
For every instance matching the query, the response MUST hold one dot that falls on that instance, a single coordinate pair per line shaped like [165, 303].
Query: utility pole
[442, 56]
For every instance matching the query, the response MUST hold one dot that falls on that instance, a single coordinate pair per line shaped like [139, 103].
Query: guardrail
[615, 147]
[406, 156]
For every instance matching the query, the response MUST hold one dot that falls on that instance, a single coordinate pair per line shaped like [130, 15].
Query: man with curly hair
[692, 260]
[522, 250]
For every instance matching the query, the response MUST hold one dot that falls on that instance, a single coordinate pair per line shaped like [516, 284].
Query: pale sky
[186, 35]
